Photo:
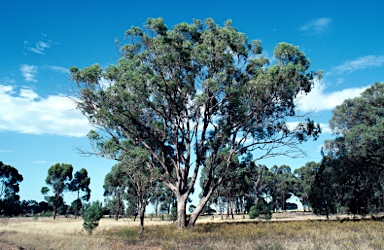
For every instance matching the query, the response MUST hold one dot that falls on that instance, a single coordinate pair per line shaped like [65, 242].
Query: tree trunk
[228, 205]
[156, 207]
[181, 211]
[78, 197]
[256, 199]
[54, 212]
[142, 215]
[197, 211]
[232, 206]
[118, 208]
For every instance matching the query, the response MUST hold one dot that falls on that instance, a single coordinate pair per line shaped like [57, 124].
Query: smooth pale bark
[197, 211]
[181, 211]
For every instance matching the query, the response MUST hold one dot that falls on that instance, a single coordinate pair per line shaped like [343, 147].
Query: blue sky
[41, 40]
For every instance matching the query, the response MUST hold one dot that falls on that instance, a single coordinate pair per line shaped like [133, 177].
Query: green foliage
[92, 216]
[115, 186]
[352, 170]
[196, 89]
[304, 180]
[9, 182]
[173, 214]
[9, 187]
[261, 210]
[80, 184]
[46, 214]
[280, 186]
[325, 190]
[59, 177]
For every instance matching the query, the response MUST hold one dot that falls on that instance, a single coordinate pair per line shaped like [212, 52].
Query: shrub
[92, 216]
[260, 210]
[46, 214]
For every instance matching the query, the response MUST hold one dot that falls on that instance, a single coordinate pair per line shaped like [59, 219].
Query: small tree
[260, 210]
[80, 183]
[59, 177]
[92, 217]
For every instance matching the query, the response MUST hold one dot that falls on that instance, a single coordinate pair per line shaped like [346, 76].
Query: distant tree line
[60, 180]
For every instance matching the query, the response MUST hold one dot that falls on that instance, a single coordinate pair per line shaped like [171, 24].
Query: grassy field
[285, 231]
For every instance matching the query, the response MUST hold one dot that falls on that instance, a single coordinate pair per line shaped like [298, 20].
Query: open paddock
[285, 231]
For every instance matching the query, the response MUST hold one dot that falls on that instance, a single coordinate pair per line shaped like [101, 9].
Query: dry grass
[306, 233]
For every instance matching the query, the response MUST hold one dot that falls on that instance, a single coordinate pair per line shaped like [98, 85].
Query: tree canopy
[59, 177]
[9, 181]
[354, 163]
[115, 185]
[80, 184]
[189, 93]
[9, 187]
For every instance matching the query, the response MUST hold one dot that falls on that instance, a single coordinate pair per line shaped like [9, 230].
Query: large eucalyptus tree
[186, 93]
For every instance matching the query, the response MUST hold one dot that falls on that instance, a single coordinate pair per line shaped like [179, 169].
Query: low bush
[261, 210]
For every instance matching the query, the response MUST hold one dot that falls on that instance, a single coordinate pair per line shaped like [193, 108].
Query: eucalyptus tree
[157, 197]
[115, 186]
[356, 154]
[258, 177]
[281, 186]
[186, 93]
[10, 179]
[231, 187]
[59, 177]
[141, 178]
[325, 193]
[80, 184]
[304, 180]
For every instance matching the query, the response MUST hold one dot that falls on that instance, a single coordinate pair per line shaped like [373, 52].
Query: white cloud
[7, 81]
[325, 128]
[317, 26]
[26, 112]
[38, 47]
[29, 72]
[319, 100]
[59, 69]
[357, 64]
